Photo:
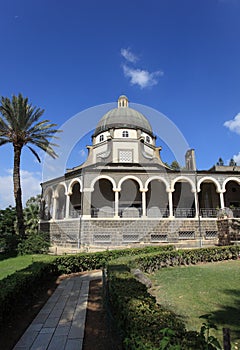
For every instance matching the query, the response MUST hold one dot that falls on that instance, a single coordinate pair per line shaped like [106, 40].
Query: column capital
[88, 189]
[116, 189]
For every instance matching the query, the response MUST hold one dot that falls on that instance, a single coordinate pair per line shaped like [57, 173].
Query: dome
[123, 117]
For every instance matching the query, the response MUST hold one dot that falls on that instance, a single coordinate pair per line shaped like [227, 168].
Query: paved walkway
[60, 323]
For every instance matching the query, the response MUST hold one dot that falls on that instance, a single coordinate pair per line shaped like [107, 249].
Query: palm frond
[46, 147]
[45, 124]
[20, 123]
[35, 153]
[3, 141]
[34, 114]
[4, 127]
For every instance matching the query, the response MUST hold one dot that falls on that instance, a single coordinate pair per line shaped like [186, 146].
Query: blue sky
[180, 57]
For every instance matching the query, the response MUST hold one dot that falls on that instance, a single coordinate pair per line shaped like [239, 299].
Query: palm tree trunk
[18, 190]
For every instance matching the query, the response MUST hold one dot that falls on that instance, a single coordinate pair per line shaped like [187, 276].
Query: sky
[179, 57]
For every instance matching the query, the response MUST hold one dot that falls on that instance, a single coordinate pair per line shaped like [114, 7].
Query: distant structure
[124, 194]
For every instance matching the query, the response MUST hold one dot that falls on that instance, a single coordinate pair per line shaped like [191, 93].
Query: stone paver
[60, 323]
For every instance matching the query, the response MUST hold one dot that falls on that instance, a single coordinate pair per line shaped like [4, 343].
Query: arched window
[148, 139]
[125, 133]
[101, 138]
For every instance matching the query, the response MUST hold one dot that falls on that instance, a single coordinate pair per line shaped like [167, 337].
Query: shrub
[154, 261]
[91, 261]
[35, 243]
[22, 286]
[145, 324]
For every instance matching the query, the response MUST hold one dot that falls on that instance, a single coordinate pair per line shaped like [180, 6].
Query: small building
[125, 194]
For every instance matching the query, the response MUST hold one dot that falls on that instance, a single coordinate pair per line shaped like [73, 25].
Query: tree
[20, 125]
[31, 214]
[175, 165]
[8, 237]
[36, 200]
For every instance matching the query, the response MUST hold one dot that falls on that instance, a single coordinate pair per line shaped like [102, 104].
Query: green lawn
[9, 266]
[196, 290]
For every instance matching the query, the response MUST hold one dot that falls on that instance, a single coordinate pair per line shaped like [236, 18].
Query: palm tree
[31, 214]
[20, 126]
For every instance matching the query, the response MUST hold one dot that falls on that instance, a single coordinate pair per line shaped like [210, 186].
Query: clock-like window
[125, 133]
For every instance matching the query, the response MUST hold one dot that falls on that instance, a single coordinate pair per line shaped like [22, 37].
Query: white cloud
[234, 124]
[141, 77]
[129, 56]
[30, 187]
[236, 158]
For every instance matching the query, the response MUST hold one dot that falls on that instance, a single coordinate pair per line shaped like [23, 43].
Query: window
[186, 235]
[101, 138]
[211, 234]
[159, 238]
[125, 133]
[125, 156]
[148, 139]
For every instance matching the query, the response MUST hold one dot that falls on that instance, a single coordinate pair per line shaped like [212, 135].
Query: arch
[231, 188]
[75, 199]
[183, 198]
[45, 192]
[103, 177]
[57, 189]
[159, 178]
[102, 198]
[207, 179]
[130, 177]
[47, 204]
[72, 183]
[232, 178]
[60, 197]
[157, 199]
[130, 197]
[183, 179]
[209, 197]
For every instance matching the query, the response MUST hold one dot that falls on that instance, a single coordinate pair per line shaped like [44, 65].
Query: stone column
[222, 205]
[86, 210]
[143, 203]
[67, 205]
[170, 203]
[54, 206]
[116, 204]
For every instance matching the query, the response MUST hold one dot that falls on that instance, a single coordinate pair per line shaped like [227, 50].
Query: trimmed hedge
[22, 286]
[152, 262]
[91, 261]
[142, 321]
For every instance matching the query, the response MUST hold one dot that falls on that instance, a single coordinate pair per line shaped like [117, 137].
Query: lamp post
[198, 212]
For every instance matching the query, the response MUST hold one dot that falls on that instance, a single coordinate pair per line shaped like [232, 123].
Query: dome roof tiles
[123, 117]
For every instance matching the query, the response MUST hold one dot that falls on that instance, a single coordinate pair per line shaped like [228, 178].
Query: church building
[124, 194]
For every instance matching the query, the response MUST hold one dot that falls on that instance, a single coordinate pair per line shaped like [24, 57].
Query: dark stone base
[77, 233]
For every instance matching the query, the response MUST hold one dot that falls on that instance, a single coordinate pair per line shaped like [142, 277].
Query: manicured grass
[193, 291]
[9, 266]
